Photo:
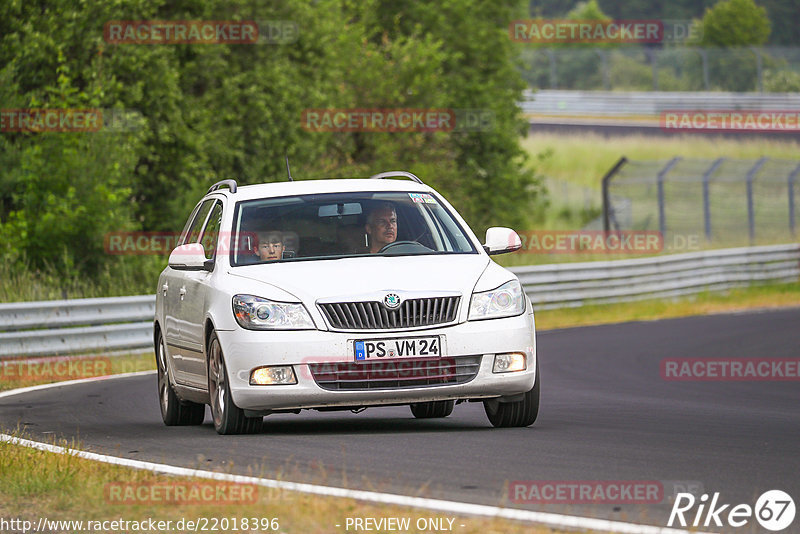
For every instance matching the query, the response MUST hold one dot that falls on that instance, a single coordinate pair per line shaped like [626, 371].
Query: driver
[381, 226]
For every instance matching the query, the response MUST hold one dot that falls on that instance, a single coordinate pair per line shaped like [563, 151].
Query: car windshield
[338, 225]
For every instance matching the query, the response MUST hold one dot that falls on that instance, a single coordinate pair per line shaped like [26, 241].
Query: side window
[211, 231]
[185, 231]
[192, 233]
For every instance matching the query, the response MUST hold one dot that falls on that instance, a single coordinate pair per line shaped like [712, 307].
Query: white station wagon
[340, 294]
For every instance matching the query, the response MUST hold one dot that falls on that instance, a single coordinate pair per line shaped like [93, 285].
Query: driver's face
[382, 229]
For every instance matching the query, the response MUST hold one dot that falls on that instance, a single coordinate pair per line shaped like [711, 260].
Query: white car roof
[333, 185]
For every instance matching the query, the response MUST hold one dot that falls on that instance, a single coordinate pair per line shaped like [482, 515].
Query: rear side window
[191, 234]
[211, 231]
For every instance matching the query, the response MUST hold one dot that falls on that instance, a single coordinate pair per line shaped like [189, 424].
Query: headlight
[505, 301]
[256, 313]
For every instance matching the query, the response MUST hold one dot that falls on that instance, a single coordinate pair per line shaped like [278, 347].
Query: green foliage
[735, 23]
[784, 15]
[587, 11]
[234, 111]
[634, 74]
[728, 28]
[781, 81]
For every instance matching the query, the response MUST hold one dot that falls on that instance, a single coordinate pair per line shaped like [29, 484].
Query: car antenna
[289, 172]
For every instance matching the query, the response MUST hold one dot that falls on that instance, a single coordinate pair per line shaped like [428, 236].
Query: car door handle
[182, 292]
[164, 289]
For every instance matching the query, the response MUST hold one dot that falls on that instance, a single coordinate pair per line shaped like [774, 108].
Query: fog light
[509, 362]
[271, 376]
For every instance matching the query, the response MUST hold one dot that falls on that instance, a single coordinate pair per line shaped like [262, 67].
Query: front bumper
[245, 350]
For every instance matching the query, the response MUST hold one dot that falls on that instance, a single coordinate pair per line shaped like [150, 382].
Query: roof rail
[391, 174]
[222, 183]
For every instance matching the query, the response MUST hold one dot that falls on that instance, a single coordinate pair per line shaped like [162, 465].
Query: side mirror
[190, 257]
[500, 240]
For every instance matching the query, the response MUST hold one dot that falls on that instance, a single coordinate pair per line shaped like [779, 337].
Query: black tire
[174, 411]
[429, 410]
[510, 414]
[228, 418]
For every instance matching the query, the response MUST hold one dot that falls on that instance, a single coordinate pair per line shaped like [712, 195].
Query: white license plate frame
[397, 348]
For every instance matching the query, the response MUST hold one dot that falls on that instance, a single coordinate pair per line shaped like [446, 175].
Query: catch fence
[724, 201]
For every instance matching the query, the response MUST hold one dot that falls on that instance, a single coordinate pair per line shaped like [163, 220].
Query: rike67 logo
[774, 510]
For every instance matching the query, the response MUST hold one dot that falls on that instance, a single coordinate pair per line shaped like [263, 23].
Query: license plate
[406, 347]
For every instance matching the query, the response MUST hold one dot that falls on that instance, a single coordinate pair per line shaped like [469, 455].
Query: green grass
[584, 159]
[31, 372]
[574, 165]
[754, 297]
[125, 276]
[43, 484]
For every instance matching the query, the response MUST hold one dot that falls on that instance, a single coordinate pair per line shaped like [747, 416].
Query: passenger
[381, 226]
[270, 245]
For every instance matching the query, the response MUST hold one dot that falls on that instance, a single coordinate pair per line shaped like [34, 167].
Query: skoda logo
[391, 301]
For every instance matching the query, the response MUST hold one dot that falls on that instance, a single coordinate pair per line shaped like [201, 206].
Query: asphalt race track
[606, 414]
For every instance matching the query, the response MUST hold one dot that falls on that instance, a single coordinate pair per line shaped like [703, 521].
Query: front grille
[395, 374]
[373, 315]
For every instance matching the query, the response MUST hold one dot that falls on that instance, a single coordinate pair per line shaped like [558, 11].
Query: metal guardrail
[76, 312]
[71, 340]
[82, 325]
[626, 103]
[578, 284]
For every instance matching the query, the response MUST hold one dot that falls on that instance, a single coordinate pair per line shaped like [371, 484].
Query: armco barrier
[577, 284]
[649, 103]
[81, 325]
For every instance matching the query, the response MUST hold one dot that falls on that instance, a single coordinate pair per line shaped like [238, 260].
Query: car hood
[356, 278]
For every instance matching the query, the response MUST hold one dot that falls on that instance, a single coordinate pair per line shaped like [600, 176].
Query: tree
[211, 112]
[735, 23]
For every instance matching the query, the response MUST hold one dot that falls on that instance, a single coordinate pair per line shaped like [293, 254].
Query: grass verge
[63, 487]
[127, 276]
[584, 159]
[30, 372]
[754, 297]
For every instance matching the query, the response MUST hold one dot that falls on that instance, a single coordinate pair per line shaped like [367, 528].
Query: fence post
[792, 177]
[759, 69]
[704, 56]
[553, 71]
[662, 221]
[706, 204]
[606, 198]
[750, 210]
[604, 65]
[654, 63]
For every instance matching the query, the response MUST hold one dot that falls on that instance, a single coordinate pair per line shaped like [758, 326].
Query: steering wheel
[401, 243]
